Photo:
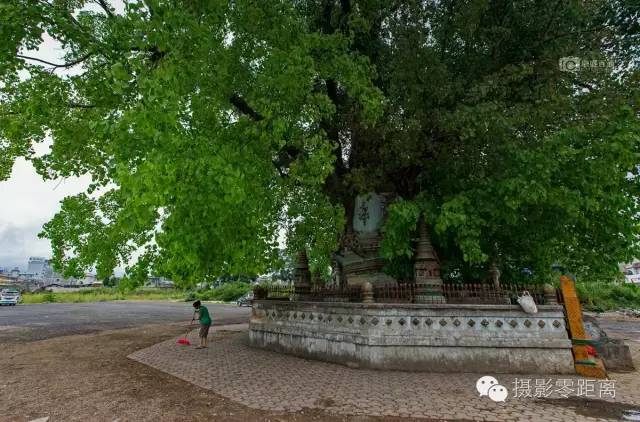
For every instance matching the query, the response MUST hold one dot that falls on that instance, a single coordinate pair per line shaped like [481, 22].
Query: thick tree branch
[149, 8]
[78, 105]
[105, 7]
[286, 155]
[55, 65]
[346, 6]
[325, 23]
[244, 108]
[37, 60]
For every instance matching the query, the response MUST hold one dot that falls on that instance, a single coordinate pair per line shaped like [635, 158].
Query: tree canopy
[214, 129]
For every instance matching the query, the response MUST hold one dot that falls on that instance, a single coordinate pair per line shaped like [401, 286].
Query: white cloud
[27, 202]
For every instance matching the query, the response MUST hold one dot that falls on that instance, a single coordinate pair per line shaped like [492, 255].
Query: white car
[9, 297]
[245, 300]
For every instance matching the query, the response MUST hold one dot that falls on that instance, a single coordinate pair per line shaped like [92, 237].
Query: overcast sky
[26, 201]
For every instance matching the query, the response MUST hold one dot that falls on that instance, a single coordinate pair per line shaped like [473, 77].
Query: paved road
[37, 322]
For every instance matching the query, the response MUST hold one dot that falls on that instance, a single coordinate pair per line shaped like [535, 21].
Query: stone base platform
[410, 337]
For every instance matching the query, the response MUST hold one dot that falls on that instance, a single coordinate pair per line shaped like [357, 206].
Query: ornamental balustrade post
[494, 273]
[367, 292]
[302, 277]
[427, 270]
[550, 297]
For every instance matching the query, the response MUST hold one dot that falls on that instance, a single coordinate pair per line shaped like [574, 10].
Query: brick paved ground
[265, 380]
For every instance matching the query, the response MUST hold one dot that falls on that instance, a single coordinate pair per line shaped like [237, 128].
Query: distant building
[36, 266]
[159, 282]
[632, 272]
[40, 270]
[40, 273]
[28, 277]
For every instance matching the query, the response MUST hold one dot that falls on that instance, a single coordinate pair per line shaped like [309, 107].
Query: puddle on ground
[596, 408]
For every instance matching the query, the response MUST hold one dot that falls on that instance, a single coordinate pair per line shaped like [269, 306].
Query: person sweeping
[205, 322]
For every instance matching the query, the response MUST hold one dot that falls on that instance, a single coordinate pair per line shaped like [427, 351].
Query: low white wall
[438, 338]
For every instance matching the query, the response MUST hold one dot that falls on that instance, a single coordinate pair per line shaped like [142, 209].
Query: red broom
[184, 341]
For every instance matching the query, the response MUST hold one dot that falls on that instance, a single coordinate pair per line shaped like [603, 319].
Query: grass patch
[601, 297]
[101, 294]
[228, 292]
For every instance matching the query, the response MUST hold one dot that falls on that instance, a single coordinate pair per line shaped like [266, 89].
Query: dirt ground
[88, 377]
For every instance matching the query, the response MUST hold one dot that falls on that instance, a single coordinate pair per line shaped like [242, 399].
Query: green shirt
[205, 319]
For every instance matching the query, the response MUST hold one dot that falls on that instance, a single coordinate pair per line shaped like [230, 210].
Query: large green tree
[212, 128]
